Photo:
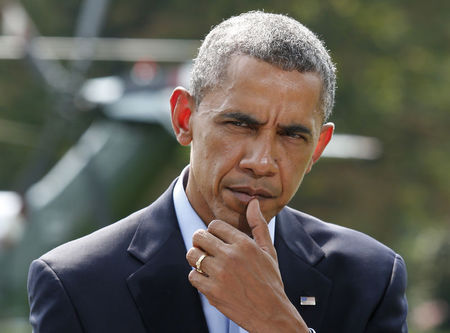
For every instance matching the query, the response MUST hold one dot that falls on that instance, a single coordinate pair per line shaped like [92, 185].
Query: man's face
[254, 136]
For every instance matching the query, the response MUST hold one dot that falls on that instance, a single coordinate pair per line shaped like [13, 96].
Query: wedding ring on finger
[198, 264]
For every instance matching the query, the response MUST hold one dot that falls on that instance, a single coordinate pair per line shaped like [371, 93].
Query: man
[262, 90]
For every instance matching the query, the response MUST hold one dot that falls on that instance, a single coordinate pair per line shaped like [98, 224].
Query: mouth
[246, 194]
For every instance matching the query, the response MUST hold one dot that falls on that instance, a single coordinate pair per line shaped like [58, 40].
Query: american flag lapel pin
[307, 300]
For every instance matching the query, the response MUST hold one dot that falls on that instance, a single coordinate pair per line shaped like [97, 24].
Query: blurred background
[85, 137]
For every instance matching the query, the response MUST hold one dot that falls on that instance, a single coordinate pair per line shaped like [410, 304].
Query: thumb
[259, 228]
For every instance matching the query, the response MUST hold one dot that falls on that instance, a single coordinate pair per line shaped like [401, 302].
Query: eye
[293, 135]
[238, 123]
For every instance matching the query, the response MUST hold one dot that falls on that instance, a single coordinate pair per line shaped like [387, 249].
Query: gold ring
[198, 264]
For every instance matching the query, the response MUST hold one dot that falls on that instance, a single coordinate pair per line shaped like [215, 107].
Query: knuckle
[192, 277]
[214, 225]
[232, 258]
[229, 254]
[199, 236]
[221, 273]
[246, 245]
[190, 255]
[193, 254]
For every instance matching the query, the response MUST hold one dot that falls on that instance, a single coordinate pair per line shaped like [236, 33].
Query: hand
[242, 279]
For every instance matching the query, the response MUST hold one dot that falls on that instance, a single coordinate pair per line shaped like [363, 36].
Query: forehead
[255, 86]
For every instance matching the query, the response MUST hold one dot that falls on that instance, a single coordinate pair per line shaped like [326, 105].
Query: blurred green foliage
[393, 60]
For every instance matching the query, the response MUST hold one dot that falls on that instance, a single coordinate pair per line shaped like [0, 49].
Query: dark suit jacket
[132, 277]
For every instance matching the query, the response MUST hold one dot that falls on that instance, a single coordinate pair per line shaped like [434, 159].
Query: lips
[245, 193]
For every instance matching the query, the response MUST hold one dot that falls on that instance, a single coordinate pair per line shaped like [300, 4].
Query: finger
[194, 254]
[259, 228]
[206, 241]
[200, 281]
[225, 232]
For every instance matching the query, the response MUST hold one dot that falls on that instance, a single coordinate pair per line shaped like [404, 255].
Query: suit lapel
[297, 255]
[167, 301]
[165, 298]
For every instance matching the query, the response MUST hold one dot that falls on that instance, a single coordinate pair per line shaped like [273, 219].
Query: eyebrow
[239, 116]
[296, 128]
[251, 121]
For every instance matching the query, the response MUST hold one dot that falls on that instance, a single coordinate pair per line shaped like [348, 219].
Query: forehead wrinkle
[257, 118]
[237, 65]
[209, 105]
[222, 97]
[287, 81]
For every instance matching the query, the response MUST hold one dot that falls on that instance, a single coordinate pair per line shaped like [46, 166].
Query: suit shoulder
[103, 243]
[362, 271]
[343, 243]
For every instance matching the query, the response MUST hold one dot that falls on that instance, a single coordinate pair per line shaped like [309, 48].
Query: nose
[259, 158]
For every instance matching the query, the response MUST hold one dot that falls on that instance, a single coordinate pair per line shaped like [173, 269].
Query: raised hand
[241, 276]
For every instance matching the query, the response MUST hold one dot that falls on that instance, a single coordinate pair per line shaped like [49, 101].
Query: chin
[244, 227]
[232, 217]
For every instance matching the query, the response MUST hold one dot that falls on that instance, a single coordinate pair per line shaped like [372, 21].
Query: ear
[325, 136]
[181, 105]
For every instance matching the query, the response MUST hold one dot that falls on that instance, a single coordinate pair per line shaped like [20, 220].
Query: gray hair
[274, 38]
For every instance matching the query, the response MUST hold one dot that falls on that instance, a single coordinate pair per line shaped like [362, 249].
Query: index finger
[224, 231]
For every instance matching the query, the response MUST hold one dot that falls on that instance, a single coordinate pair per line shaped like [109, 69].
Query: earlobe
[324, 138]
[180, 106]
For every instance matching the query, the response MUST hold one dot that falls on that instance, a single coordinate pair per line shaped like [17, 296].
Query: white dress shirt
[189, 222]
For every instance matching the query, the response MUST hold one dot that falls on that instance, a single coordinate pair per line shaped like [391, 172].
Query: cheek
[292, 174]
[216, 155]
